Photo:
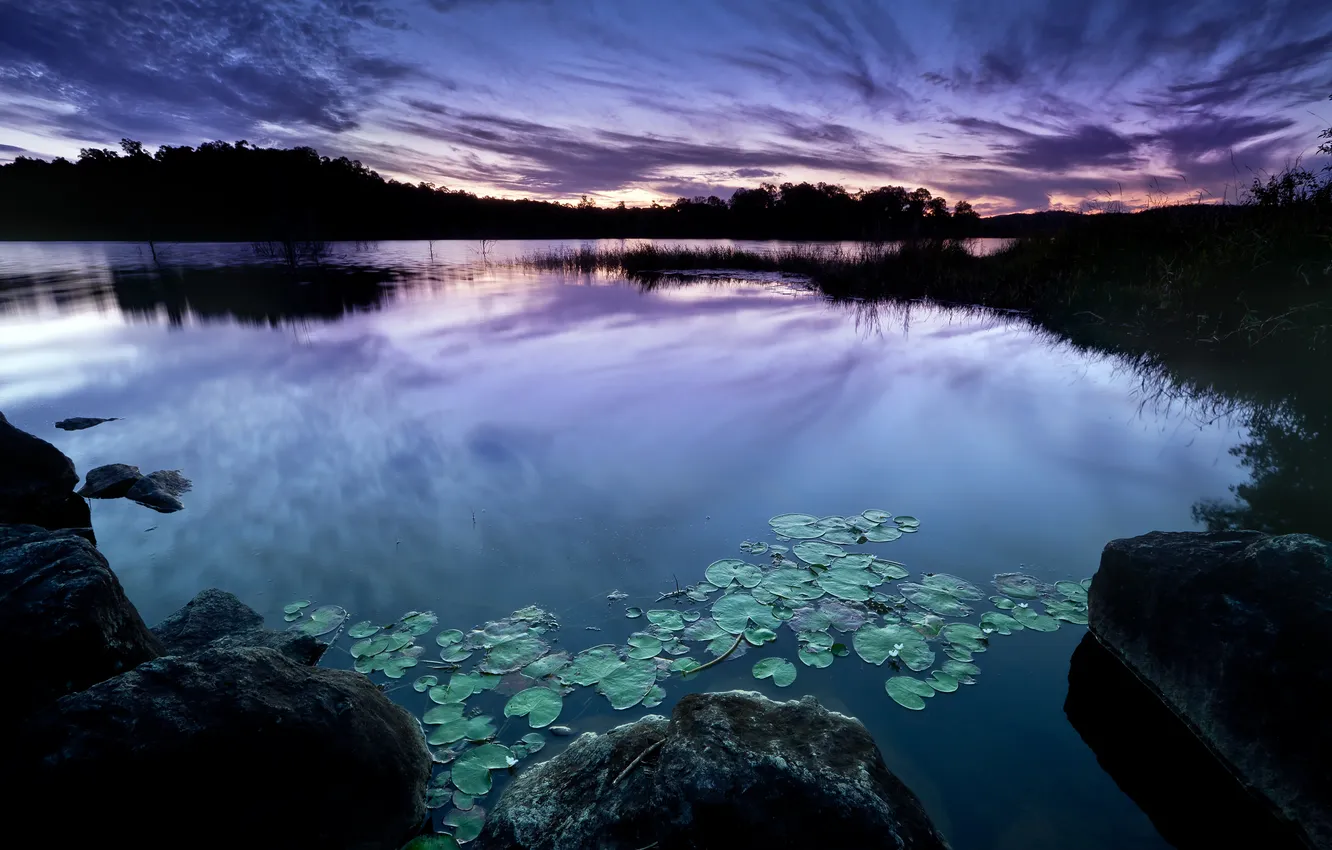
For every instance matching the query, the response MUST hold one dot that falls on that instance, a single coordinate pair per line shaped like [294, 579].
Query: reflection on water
[392, 432]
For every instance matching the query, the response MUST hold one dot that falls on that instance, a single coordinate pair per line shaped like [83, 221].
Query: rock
[64, 620]
[560, 731]
[79, 423]
[226, 745]
[110, 482]
[725, 765]
[159, 490]
[37, 483]
[1133, 734]
[219, 620]
[1230, 629]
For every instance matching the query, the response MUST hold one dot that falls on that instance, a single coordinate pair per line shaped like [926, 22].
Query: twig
[633, 764]
[719, 659]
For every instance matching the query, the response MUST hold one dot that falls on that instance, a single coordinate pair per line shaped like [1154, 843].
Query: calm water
[461, 436]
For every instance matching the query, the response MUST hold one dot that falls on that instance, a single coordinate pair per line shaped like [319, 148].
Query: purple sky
[1014, 105]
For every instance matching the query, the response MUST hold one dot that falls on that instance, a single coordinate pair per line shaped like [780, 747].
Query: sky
[1018, 105]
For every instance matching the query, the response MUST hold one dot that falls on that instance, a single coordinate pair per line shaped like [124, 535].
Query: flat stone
[728, 769]
[37, 483]
[109, 482]
[1230, 630]
[228, 748]
[160, 491]
[217, 619]
[79, 423]
[64, 619]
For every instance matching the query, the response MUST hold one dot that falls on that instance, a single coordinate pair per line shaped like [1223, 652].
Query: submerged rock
[1230, 630]
[159, 490]
[231, 748]
[64, 620]
[217, 619]
[109, 482]
[79, 423]
[728, 769]
[37, 483]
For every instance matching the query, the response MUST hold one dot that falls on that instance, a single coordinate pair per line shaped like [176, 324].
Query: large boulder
[228, 748]
[1230, 629]
[64, 618]
[217, 619]
[110, 482]
[726, 768]
[37, 483]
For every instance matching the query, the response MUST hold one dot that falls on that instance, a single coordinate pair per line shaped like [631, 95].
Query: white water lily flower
[897, 646]
[892, 653]
[1023, 605]
[987, 631]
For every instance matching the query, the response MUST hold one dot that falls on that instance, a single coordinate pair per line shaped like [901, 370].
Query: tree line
[238, 192]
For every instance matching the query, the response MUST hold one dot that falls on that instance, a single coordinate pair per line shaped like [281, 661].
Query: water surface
[460, 435]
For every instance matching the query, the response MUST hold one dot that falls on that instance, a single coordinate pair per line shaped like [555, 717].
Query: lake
[441, 430]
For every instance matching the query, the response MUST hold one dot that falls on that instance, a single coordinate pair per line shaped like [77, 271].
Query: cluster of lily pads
[834, 601]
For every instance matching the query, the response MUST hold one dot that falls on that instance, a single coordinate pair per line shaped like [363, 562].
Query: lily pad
[908, 691]
[1072, 591]
[1003, 603]
[667, 619]
[461, 728]
[817, 553]
[440, 714]
[754, 547]
[848, 536]
[449, 637]
[291, 618]
[813, 657]
[434, 841]
[757, 635]
[322, 620]
[938, 601]
[964, 635]
[627, 684]
[363, 629]
[455, 654]
[953, 586]
[964, 672]
[513, 654]
[589, 666]
[471, 770]
[998, 622]
[793, 585]
[547, 665]
[1069, 612]
[418, 622]
[1035, 620]
[541, 706]
[466, 823]
[1019, 585]
[888, 569]
[781, 671]
[876, 645]
[655, 696]
[796, 526]
[683, 665]
[644, 646]
[369, 646]
[877, 517]
[295, 607]
[703, 629]
[735, 612]
[883, 534]
[424, 684]
[850, 584]
[942, 682]
[397, 664]
[730, 571]
[906, 522]
[633, 613]
[535, 742]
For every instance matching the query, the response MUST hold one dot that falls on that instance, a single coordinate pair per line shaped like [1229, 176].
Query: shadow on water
[1191, 799]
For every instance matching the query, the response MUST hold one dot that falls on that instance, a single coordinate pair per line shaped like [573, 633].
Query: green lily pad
[466, 824]
[363, 629]
[397, 664]
[667, 619]
[398, 640]
[908, 691]
[589, 666]
[781, 671]
[455, 654]
[964, 672]
[1001, 623]
[291, 618]
[734, 613]
[541, 706]
[850, 584]
[1019, 585]
[471, 770]
[655, 696]
[942, 682]
[877, 517]
[644, 646]
[446, 713]
[547, 665]
[752, 547]
[730, 571]
[790, 584]
[888, 569]
[815, 640]
[513, 654]
[418, 622]
[1069, 612]
[628, 683]
[322, 620]
[449, 637]
[953, 586]
[964, 635]
[817, 553]
[1035, 620]
[883, 534]
[1003, 603]
[437, 797]
[796, 526]
[926, 625]
[1072, 591]
[683, 665]
[464, 802]
[295, 607]
[813, 657]
[847, 536]
[461, 728]
[957, 653]
[633, 613]
[906, 522]
[723, 644]
[757, 635]
[369, 646]
[875, 645]
[424, 684]
[938, 601]
[535, 742]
